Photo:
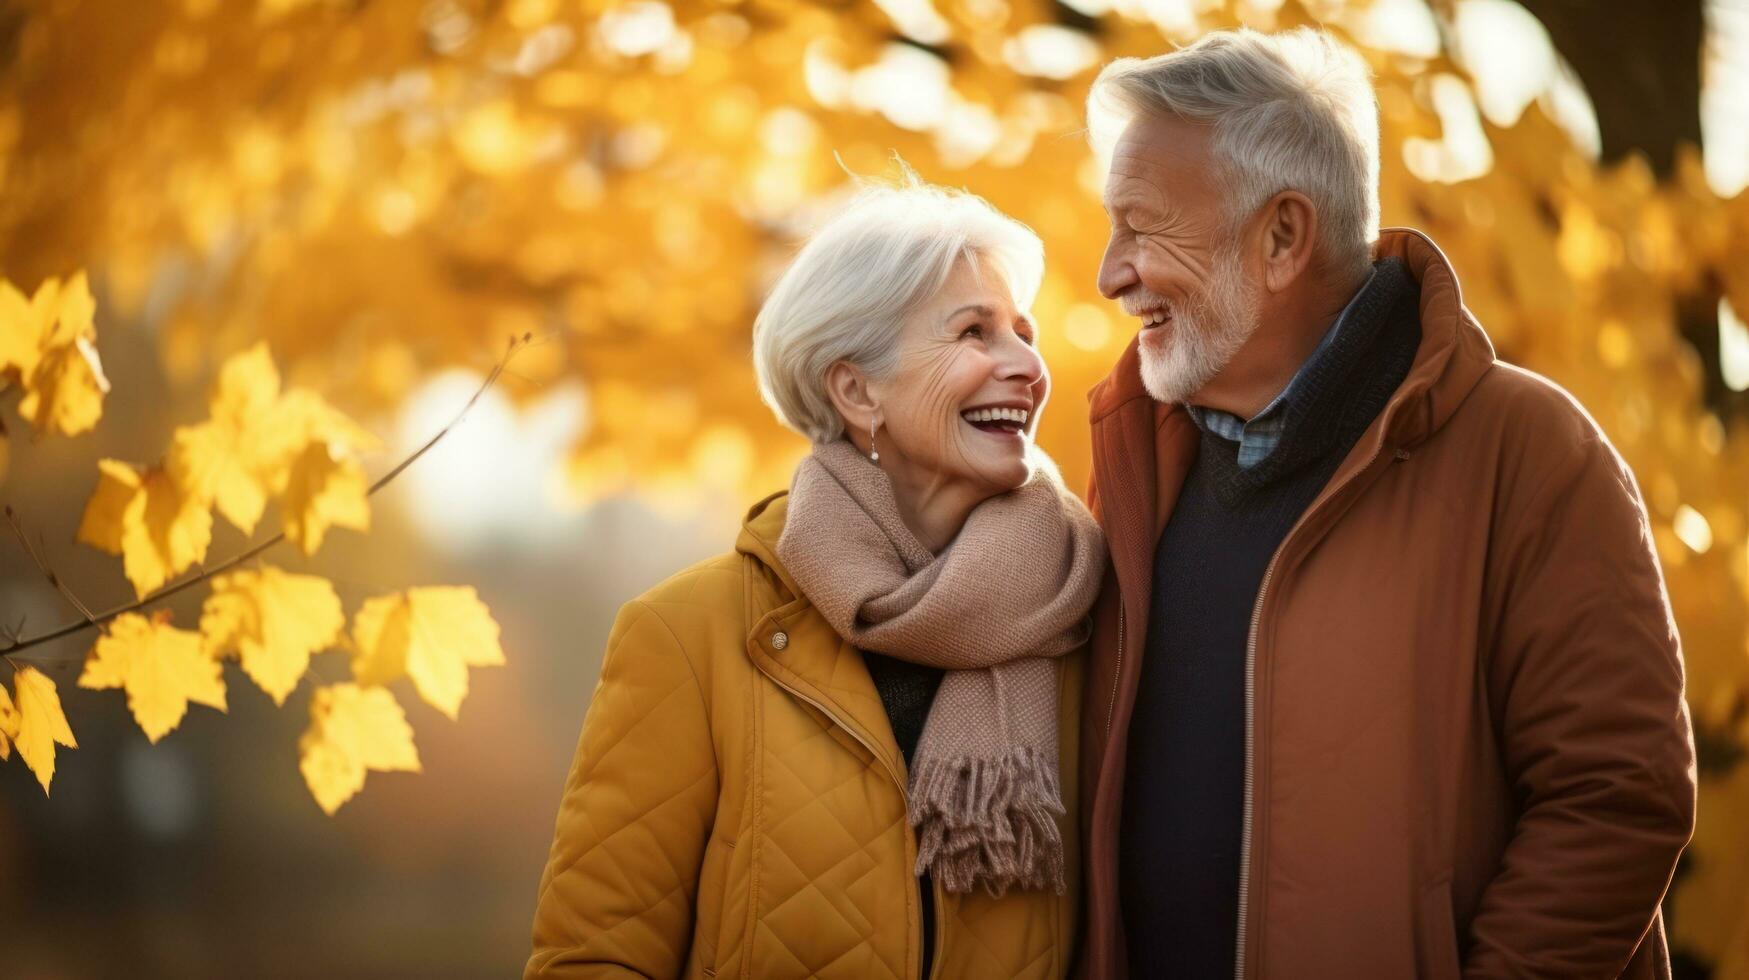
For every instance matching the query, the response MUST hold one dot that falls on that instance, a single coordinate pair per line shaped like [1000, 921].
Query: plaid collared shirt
[1259, 437]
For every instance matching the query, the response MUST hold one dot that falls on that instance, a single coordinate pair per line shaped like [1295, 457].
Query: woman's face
[963, 404]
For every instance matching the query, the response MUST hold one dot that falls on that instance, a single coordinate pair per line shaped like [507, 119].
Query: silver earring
[874, 455]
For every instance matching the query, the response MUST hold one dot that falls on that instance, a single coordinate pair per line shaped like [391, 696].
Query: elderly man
[1385, 683]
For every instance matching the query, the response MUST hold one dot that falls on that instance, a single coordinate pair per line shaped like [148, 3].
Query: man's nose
[1116, 273]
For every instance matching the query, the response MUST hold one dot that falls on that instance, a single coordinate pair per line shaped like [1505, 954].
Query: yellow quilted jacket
[736, 807]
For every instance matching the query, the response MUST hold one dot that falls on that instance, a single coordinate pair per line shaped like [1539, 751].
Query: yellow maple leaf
[352, 729]
[65, 387]
[324, 490]
[66, 390]
[75, 313]
[143, 516]
[101, 527]
[23, 325]
[309, 418]
[229, 458]
[161, 667]
[245, 451]
[8, 723]
[40, 723]
[432, 635]
[172, 532]
[273, 621]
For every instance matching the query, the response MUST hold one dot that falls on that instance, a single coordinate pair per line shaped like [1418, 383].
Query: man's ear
[1290, 234]
[848, 388]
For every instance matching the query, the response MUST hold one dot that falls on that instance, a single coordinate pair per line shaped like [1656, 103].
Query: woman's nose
[1019, 360]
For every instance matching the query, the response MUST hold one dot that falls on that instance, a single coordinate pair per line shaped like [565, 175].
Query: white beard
[1203, 337]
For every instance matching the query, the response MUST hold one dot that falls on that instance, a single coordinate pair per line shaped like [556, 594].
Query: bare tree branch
[36, 555]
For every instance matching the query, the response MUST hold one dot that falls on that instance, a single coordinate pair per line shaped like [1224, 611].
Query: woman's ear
[848, 388]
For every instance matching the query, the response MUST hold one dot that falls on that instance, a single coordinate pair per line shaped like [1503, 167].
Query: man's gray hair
[852, 286]
[1290, 111]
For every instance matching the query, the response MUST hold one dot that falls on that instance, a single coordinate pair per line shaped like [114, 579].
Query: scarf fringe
[989, 821]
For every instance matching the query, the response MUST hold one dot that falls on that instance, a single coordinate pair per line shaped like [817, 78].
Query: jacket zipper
[904, 797]
[1250, 767]
[1250, 711]
[1117, 671]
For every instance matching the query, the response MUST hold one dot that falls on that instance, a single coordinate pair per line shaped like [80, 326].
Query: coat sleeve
[616, 897]
[1585, 682]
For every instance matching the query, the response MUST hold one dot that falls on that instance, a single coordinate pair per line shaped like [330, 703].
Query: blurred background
[386, 191]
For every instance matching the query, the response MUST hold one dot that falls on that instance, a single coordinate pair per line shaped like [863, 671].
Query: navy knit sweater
[1184, 779]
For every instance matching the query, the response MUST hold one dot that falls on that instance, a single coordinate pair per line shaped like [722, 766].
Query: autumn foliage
[378, 191]
[259, 444]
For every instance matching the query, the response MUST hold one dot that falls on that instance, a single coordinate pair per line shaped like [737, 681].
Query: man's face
[1173, 261]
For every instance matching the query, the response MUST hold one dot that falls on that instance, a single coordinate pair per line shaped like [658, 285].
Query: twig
[516, 344]
[42, 564]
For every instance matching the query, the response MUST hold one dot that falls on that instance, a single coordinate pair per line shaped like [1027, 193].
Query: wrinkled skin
[1171, 250]
[968, 346]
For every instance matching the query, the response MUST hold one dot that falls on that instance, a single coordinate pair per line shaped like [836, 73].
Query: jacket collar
[759, 533]
[814, 661]
[1454, 354]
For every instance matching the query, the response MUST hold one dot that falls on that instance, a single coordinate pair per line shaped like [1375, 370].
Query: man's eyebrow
[1130, 204]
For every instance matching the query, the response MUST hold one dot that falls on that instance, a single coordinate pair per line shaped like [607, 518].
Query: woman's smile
[1007, 423]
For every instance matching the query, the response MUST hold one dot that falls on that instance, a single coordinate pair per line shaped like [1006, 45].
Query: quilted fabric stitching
[638, 822]
[862, 946]
[697, 684]
[648, 712]
[800, 967]
[613, 856]
[862, 943]
[864, 930]
[874, 866]
[603, 842]
[970, 929]
[816, 799]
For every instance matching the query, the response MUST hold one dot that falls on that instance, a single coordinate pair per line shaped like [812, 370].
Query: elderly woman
[844, 748]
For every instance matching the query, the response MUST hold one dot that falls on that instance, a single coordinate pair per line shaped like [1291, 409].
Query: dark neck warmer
[1343, 388]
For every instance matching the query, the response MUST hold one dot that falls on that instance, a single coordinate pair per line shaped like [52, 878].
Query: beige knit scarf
[1010, 591]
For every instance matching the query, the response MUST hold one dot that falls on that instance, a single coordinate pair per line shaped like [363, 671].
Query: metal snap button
[779, 640]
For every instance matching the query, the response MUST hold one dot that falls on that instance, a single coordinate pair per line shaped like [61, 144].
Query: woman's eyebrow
[984, 310]
[980, 308]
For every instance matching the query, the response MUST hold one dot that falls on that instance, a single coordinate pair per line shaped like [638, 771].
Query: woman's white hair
[855, 281]
[1290, 111]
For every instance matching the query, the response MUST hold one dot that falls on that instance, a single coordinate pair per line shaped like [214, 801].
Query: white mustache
[1136, 302]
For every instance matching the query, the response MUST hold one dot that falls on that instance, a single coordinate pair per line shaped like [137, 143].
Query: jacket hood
[1453, 355]
[760, 530]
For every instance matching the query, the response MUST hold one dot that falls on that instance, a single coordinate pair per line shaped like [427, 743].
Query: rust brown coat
[1468, 750]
